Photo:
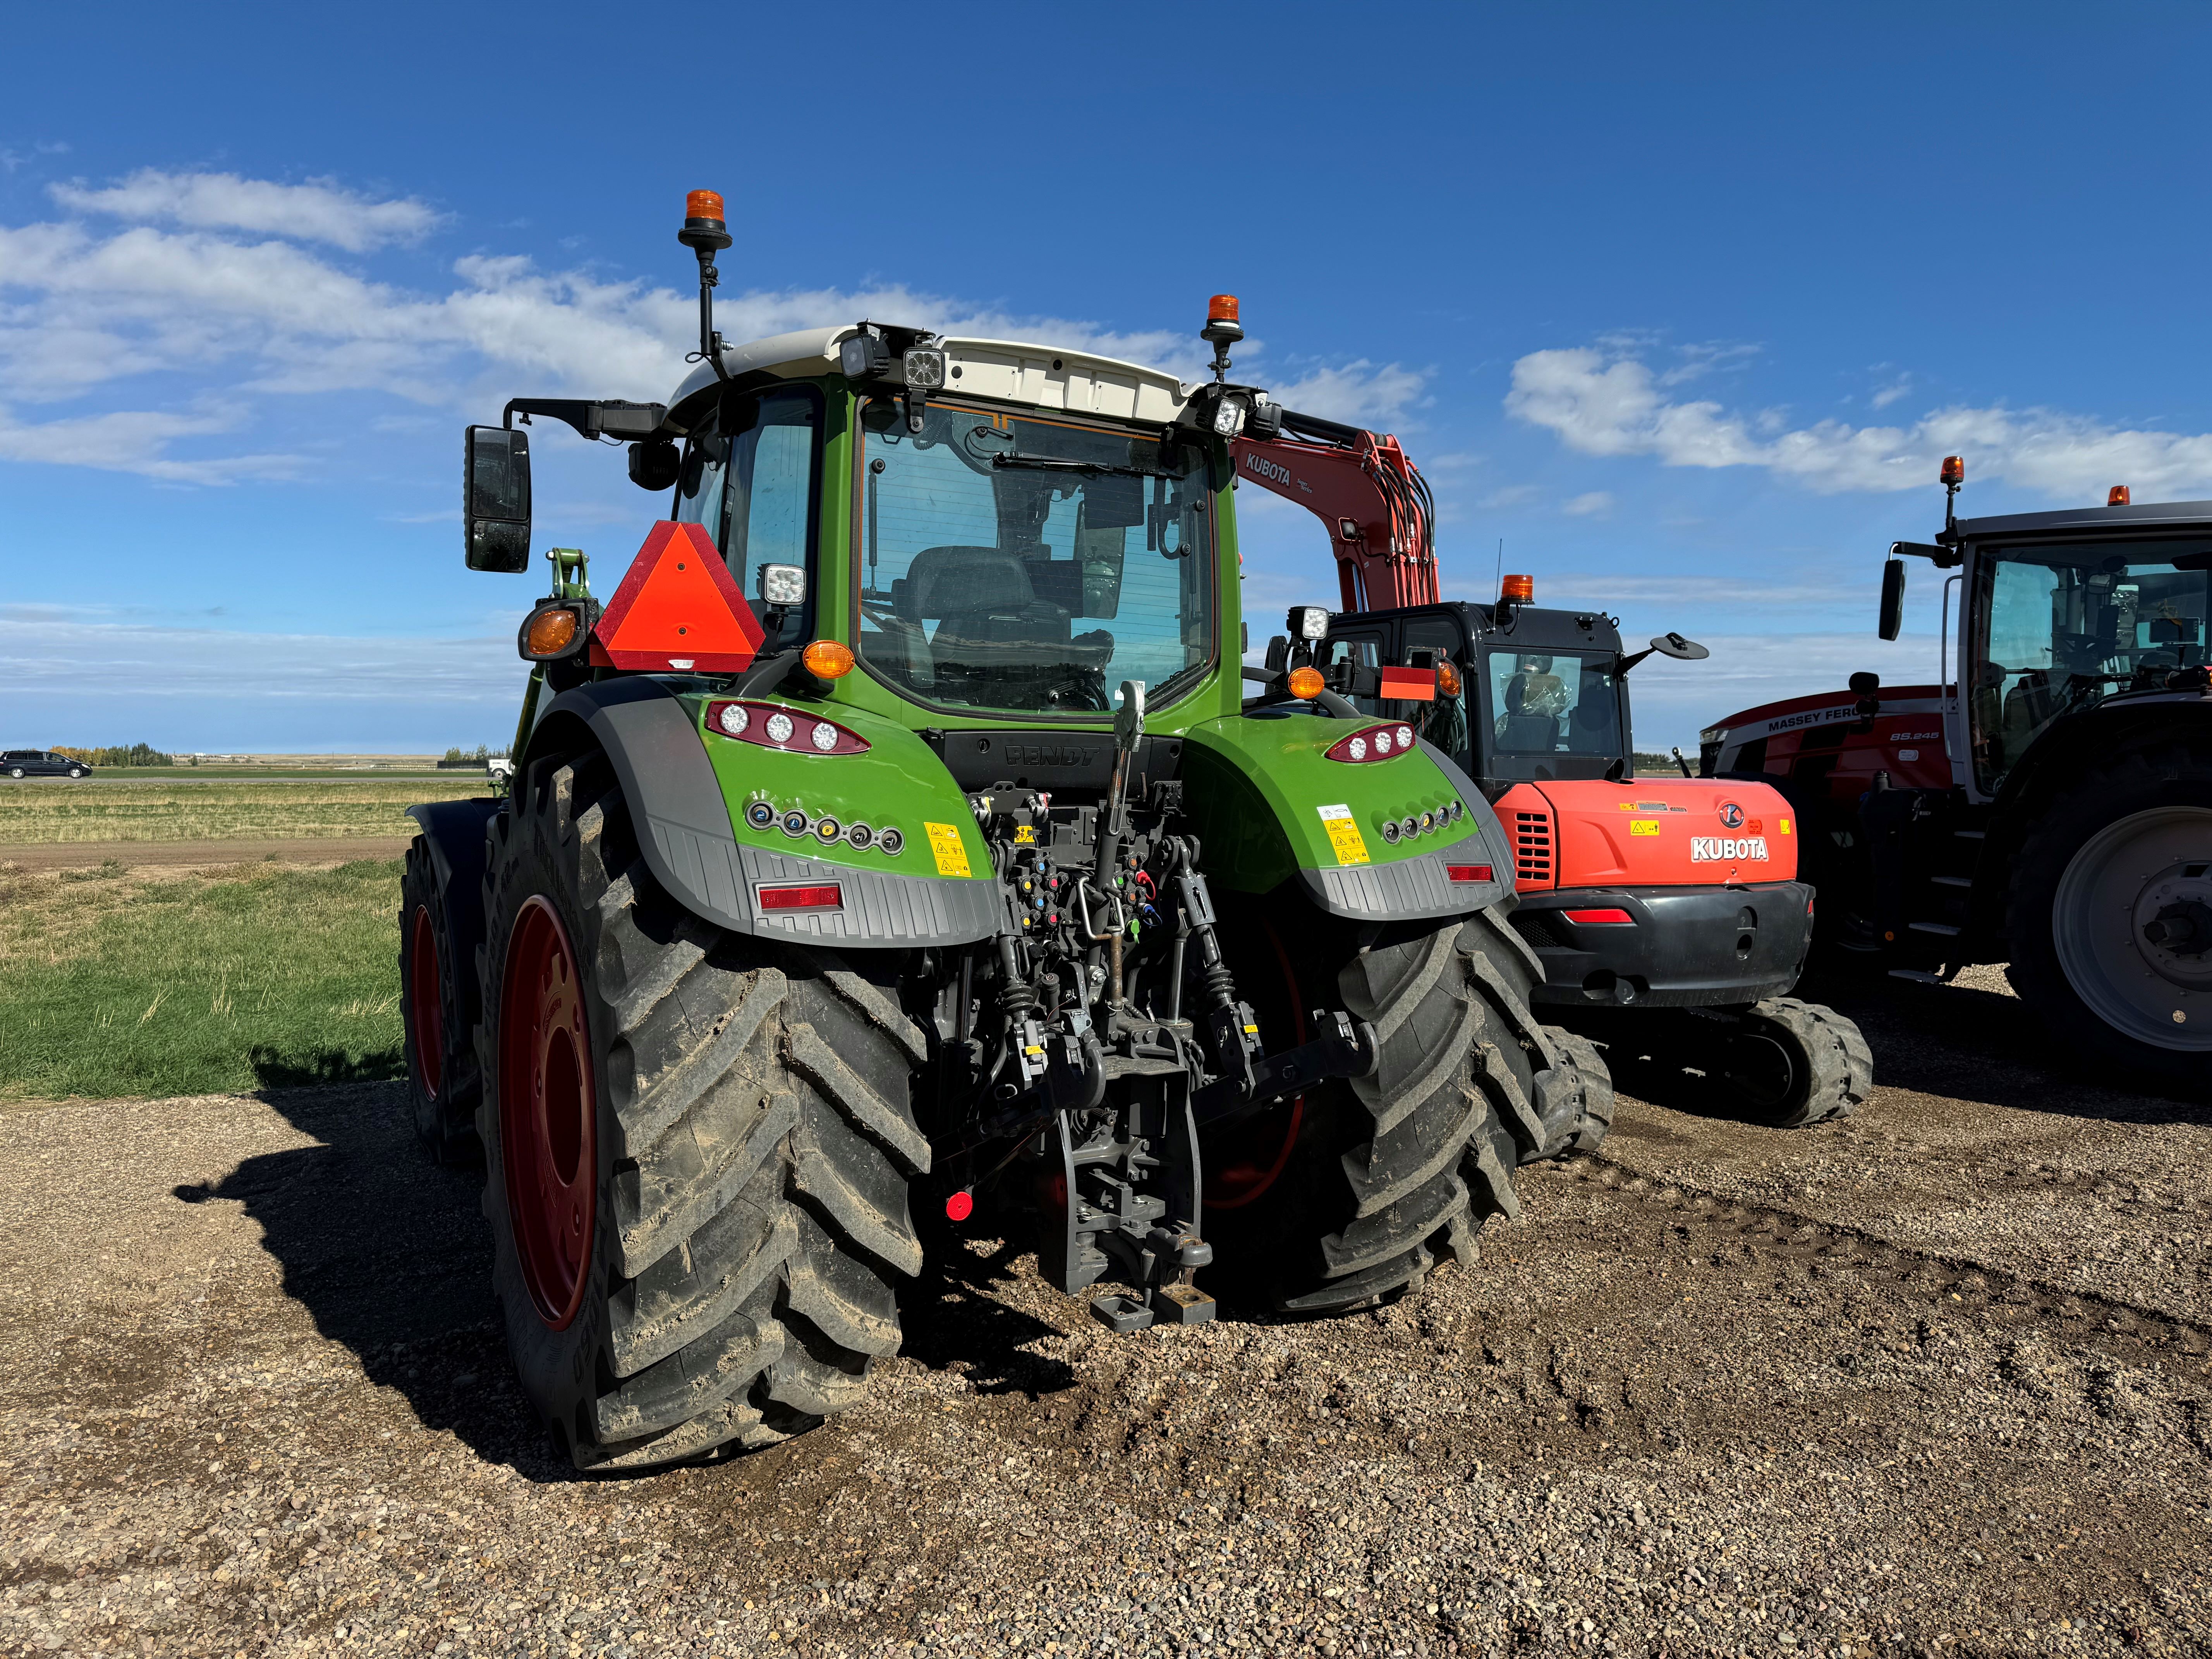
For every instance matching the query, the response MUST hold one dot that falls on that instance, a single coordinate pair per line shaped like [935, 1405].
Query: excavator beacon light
[1954, 469]
[2117, 496]
[704, 204]
[1309, 622]
[1221, 308]
[1306, 683]
[1518, 590]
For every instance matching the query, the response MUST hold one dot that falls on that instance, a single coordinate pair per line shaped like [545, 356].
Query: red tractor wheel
[438, 1002]
[547, 1107]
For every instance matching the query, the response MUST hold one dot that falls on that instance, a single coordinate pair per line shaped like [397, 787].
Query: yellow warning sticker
[1643, 826]
[1024, 834]
[1343, 834]
[1785, 826]
[945, 846]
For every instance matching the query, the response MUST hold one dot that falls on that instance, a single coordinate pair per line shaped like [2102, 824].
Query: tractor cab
[2047, 801]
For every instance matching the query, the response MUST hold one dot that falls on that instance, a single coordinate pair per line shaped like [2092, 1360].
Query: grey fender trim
[683, 830]
[453, 834]
[1410, 889]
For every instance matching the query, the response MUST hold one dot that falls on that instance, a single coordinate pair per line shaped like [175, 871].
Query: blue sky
[1683, 305]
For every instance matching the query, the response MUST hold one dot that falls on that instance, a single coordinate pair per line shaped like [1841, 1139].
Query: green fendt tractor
[898, 837]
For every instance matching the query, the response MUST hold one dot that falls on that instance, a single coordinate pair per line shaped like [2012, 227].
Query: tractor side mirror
[495, 499]
[1893, 599]
[1866, 687]
[1682, 650]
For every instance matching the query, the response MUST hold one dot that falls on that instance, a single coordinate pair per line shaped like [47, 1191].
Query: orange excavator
[1665, 913]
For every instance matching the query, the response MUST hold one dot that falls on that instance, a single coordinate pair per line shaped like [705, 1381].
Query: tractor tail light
[774, 726]
[1601, 918]
[1375, 743]
[1468, 872]
[825, 895]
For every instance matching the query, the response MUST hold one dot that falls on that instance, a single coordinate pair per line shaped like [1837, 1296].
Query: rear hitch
[1346, 1048]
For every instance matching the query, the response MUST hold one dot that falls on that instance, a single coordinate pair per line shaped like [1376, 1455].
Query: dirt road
[89, 855]
[1936, 1379]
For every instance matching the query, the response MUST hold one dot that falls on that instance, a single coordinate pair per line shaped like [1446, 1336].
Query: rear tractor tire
[439, 1014]
[1790, 1064]
[2110, 915]
[698, 1148]
[1385, 1174]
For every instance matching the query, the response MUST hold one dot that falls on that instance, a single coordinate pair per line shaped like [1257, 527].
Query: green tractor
[904, 836]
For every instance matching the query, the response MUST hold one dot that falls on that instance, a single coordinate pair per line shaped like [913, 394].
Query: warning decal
[1343, 834]
[945, 846]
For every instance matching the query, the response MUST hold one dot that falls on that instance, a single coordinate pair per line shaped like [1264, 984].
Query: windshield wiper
[1060, 464]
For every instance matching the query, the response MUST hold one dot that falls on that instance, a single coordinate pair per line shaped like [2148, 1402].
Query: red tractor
[1666, 913]
[2047, 801]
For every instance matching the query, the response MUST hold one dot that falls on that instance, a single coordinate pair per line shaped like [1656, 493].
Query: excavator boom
[1381, 517]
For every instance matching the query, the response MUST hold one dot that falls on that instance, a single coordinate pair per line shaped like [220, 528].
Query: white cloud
[1594, 505]
[214, 282]
[320, 210]
[1606, 403]
[1510, 496]
[1358, 393]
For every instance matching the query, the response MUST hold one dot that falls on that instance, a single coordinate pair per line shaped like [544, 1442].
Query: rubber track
[1841, 1063]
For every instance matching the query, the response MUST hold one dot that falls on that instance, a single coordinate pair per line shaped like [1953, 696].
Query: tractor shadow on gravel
[390, 1255]
[955, 1316]
[1965, 1042]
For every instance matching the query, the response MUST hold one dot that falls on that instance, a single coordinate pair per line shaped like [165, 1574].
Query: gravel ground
[1933, 1380]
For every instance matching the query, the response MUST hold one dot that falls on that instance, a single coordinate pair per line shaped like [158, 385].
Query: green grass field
[46, 814]
[113, 983]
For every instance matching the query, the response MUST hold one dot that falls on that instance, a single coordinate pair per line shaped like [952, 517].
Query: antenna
[1497, 581]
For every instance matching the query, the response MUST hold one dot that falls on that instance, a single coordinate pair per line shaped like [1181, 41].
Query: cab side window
[751, 476]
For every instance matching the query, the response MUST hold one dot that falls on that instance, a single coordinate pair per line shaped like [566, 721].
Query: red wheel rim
[1235, 1185]
[547, 1115]
[425, 1003]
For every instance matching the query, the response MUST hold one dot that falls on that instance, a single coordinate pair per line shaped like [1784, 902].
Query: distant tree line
[138, 754]
[458, 755]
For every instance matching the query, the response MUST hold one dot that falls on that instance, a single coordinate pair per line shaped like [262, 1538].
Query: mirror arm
[1627, 662]
[592, 418]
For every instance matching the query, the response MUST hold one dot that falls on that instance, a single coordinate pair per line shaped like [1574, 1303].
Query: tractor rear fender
[453, 834]
[686, 805]
[1271, 807]
[2054, 762]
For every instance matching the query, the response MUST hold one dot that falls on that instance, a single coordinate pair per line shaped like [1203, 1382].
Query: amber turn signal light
[2117, 496]
[1518, 590]
[1447, 680]
[1307, 682]
[552, 632]
[827, 659]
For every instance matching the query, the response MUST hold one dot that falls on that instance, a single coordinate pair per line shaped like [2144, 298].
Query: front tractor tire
[1353, 1192]
[438, 1014]
[698, 1148]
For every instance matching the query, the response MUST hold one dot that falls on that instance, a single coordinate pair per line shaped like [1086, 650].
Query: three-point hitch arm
[1376, 505]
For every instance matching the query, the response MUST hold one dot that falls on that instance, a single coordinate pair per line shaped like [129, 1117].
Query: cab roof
[2151, 515]
[1010, 371]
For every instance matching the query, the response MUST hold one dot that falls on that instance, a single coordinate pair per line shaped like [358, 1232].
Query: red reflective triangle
[677, 608]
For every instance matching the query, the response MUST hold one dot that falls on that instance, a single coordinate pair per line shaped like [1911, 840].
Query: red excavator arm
[1381, 517]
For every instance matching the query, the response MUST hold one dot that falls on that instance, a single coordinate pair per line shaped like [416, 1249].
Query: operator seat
[1520, 731]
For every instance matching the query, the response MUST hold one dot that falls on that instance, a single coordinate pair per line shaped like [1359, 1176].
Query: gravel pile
[1855, 1390]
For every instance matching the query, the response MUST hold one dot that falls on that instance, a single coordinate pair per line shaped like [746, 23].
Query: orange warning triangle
[677, 608]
